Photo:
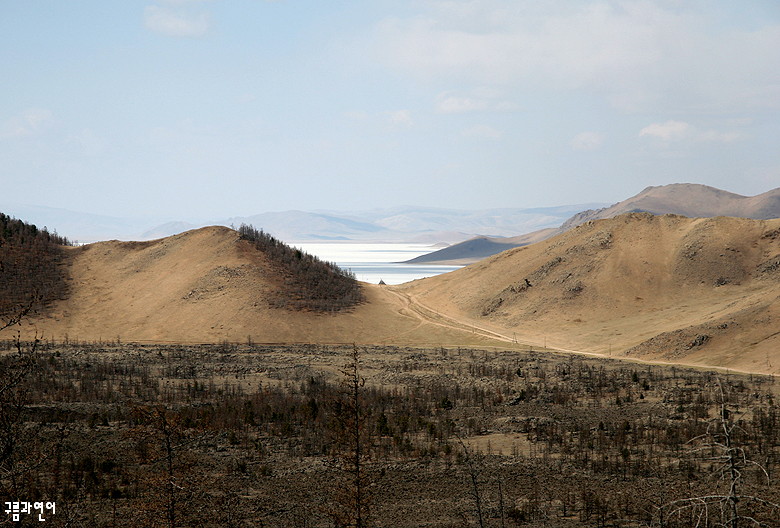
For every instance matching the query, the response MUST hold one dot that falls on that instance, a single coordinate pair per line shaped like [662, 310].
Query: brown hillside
[208, 285]
[666, 287]
[688, 199]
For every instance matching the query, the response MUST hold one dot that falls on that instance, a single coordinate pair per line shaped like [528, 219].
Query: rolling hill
[655, 287]
[686, 199]
[662, 288]
[477, 248]
[211, 285]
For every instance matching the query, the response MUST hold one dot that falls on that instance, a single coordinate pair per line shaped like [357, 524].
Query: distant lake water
[375, 262]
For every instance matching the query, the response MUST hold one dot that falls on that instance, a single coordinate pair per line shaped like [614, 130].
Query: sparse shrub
[308, 282]
[32, 272]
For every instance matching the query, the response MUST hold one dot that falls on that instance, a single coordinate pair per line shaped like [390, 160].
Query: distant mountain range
[688, 199]
[77, 226]
[474, 235]
[400, 224]
[684, 199]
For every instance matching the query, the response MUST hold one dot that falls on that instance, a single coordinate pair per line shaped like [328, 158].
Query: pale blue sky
[209, 109]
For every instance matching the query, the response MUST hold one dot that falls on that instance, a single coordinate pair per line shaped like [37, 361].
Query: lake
[372, 262]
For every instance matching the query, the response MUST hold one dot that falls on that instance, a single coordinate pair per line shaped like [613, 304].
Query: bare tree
[474, 480]
[16, 370]
[171, 477]
[353, 496]
[724, 508]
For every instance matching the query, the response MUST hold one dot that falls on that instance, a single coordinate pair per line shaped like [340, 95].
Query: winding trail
[425, 314]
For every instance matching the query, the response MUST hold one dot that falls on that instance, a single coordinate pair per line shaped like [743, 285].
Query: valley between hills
[638, 286]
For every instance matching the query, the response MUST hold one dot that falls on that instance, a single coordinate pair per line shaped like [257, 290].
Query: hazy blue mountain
[686, 199]
[167, 229]
[398, 224]
[302, 225]
[77, 226]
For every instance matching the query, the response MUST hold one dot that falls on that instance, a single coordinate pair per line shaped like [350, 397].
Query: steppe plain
[543, 386]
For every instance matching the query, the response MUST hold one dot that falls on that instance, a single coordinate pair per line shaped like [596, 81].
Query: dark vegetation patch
[255, 435]
[309, 283]
[573, 290]
[32, 271]
[491, 306]
[770, 266]
[772, 235]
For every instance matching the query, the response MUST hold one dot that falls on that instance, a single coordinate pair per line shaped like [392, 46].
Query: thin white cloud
[447, 103]
[394, 119]
[638, 54]
[587, 141]
[173, 23]
[569, 45]
[668, 131]
[457, 105]
[90, 143]
[400, 117]
[719, 137]
[483, 132]
[30, 122]
[356, 115]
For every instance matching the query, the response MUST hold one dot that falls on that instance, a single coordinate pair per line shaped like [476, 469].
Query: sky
[194, 109]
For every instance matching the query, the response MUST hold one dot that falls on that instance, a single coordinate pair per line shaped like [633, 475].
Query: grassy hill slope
[666, 287]
[213, 284]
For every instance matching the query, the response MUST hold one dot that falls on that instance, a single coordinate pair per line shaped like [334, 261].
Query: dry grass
[254, 436]
[610, 285]
[661, 288]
